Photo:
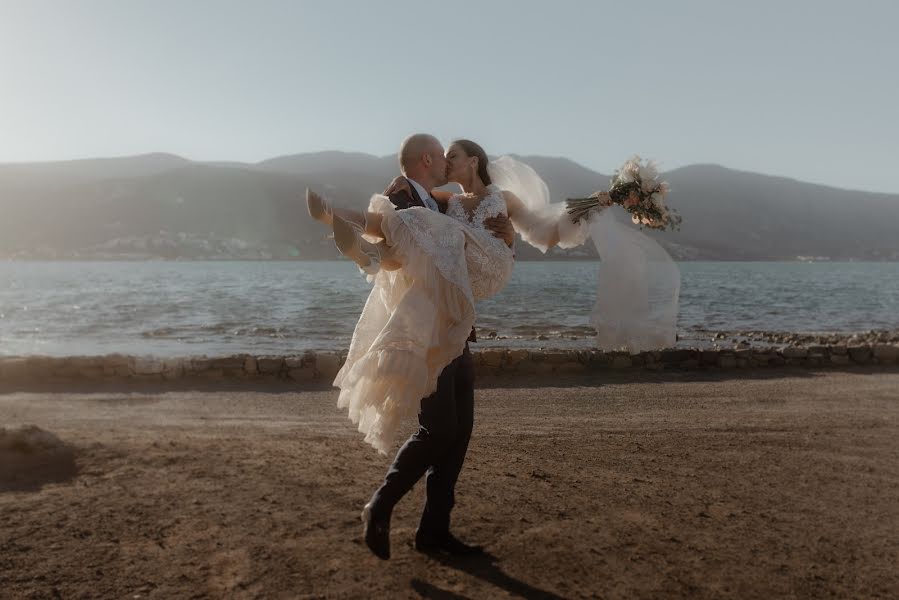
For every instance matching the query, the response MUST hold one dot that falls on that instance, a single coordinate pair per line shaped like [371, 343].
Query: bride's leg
[370, 257]
[320, 210]
[367, 222]
[390, 260]
[348, 227]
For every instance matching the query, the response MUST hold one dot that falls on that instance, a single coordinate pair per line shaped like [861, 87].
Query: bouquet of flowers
[637, 188]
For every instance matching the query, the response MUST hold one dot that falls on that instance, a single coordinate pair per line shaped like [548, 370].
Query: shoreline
[321, 367]
[541, 339]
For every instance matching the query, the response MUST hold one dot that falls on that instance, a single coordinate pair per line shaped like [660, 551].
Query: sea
[266, 307]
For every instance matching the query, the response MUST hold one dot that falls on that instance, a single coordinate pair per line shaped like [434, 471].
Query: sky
[804, 89]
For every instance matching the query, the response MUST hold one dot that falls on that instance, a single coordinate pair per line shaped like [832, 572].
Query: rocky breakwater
[544, 362]
[872, 337]
[321, 367]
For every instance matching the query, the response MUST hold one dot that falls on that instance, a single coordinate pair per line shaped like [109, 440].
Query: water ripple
[279, 307]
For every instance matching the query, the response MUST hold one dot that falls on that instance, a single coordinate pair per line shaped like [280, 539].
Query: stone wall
[323, 366]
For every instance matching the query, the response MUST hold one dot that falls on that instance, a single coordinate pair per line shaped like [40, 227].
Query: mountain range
[161, 206]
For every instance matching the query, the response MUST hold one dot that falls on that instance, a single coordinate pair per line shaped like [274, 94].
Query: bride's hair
[473, 149]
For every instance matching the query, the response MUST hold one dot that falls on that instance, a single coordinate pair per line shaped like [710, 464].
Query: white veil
[638, 290]
[639, 284]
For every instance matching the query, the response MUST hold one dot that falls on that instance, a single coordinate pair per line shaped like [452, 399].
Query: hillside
[164, 206]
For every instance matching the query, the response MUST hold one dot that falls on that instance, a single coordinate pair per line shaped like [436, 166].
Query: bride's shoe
[319, 209]
[348, 238]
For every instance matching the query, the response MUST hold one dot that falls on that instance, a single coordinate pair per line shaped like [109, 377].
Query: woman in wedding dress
[429, 269]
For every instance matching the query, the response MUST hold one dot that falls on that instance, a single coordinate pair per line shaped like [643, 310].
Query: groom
[446, 417]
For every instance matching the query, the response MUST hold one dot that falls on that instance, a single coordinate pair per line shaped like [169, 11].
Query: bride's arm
[546, 226]
[529, 225]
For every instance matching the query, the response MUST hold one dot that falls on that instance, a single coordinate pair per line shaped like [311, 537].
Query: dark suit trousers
[438, 448]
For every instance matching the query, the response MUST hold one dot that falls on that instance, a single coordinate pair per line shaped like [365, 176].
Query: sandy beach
[700, 485]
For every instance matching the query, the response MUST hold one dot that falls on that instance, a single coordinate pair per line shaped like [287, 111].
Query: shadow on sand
[485, 568]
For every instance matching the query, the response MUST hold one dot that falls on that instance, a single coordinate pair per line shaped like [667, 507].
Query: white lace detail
[488, 258]
[441, 244]
[490, 205]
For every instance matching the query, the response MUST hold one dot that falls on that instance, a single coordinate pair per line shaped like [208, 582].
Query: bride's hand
[399, 184]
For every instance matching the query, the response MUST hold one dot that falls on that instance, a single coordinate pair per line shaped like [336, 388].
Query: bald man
[446, 417]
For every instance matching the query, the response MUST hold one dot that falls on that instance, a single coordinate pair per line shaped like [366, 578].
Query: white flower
[629, 171]
[632, 167]
[624, 175]
[648, 173]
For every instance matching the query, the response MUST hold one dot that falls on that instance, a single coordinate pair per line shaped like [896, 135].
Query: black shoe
[445, 544]
[376, 534]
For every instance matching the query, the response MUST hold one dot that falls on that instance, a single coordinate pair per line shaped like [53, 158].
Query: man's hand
[399, 184]
[502, 228]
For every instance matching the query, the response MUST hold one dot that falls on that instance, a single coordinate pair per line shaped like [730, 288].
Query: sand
[637, 486]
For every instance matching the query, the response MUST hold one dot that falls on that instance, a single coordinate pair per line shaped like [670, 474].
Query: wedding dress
[417, 319]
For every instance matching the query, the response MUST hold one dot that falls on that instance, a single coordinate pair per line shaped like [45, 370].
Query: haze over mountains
[161, 206]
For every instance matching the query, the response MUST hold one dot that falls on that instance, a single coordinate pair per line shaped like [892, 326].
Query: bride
[429, 269]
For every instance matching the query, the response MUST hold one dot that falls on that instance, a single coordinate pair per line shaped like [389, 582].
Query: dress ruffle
[415, 322]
